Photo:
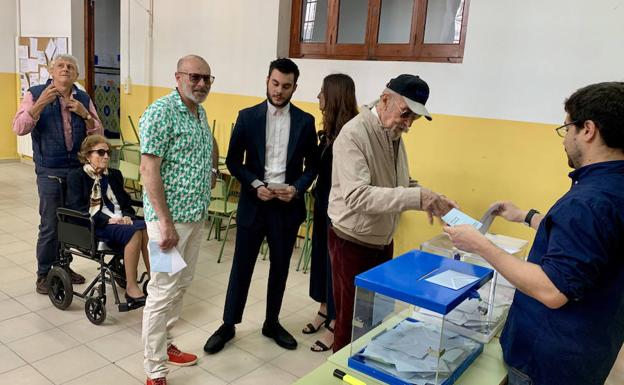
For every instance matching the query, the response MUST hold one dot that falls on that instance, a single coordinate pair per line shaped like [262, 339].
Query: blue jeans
[516, 377]
[50, 198]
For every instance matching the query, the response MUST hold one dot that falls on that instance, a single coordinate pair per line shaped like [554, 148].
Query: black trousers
[275, 221]
[50, 198]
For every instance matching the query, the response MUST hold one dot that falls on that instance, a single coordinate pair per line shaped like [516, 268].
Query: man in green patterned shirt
[178, 161]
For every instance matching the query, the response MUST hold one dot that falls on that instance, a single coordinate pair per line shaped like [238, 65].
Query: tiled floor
[40, 344]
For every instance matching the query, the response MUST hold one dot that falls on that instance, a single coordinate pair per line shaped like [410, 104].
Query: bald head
[194, 59]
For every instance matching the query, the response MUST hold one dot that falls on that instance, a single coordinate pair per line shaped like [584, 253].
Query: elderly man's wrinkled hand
[48, 95]
[168, 236]
[76, 107]
[436, 205]
[466, 238]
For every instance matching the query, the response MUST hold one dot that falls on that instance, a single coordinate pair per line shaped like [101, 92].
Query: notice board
[34, 54]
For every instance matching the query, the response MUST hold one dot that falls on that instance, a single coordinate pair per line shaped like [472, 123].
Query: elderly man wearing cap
[371, 187]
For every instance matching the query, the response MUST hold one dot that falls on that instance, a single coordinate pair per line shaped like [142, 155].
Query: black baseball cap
[414, 90]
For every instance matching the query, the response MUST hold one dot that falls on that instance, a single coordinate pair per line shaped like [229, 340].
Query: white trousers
[164, 300]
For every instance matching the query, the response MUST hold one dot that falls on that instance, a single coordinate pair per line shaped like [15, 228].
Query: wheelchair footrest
[123, 307]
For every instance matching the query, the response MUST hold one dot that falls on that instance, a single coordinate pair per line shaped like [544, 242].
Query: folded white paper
[456, 218]
[452, 279]
[169, 261]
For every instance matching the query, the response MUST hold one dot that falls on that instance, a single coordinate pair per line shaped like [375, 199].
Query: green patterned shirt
[169, 131]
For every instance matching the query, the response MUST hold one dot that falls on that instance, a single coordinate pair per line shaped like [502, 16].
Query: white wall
[522, 58]
[238, 39]
[37, 20]
[77, 35]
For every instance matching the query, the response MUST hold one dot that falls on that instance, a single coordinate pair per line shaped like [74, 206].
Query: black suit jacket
[78, 194]
[246, 158]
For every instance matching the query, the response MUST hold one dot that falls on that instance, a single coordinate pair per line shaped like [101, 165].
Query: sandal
[311, 329]
[318, 344]
[322, 346]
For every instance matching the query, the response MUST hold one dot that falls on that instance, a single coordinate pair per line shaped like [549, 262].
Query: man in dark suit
[272, 153]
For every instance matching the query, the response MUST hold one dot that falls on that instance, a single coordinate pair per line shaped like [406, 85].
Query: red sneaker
[178, 358]
[156, 381]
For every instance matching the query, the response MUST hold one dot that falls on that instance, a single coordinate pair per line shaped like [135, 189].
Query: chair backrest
[129, 170]
[136, 134]
[219, 191]
[131, 153]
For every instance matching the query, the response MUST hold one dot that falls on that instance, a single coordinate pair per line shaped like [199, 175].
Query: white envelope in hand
[169, 261]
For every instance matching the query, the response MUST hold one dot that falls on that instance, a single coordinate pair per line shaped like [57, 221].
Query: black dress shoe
[217, 341]
[280, 335]
[76, 279]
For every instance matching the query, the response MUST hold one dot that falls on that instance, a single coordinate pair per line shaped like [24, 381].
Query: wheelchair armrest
[136, 203]
[72, 213]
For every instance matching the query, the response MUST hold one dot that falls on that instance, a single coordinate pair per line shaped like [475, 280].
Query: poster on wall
[34, 56]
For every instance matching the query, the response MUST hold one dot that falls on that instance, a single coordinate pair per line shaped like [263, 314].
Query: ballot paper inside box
[400, 332]
[482, 315]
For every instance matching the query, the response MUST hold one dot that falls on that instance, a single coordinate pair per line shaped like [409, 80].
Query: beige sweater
[369, 184]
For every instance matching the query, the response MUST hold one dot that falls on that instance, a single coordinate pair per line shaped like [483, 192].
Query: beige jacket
[369, 186]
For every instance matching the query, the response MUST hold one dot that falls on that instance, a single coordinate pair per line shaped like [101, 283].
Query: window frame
[415, 50]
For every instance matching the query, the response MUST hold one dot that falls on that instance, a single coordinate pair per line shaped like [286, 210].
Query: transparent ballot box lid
[482, 315]
[400, 333]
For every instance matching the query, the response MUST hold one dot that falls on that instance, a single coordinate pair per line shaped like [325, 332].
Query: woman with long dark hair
[338, 104]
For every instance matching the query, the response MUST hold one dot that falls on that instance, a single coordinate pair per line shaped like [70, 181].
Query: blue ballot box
[480, 317]
[400, 332]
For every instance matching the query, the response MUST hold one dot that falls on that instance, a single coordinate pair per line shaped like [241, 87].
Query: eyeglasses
[563, 130]
[406, 113]
[101, 152]
[194, 78]
[409, 114]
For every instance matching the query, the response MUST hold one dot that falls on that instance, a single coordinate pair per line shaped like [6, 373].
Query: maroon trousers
[349, 259]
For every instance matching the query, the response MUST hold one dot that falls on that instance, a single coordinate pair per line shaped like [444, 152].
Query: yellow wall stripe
[8, 106]
[474, 161]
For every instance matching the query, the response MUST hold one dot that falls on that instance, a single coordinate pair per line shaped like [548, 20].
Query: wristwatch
[529, 216]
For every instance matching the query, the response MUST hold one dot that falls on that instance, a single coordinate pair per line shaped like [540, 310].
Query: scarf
[100, 184]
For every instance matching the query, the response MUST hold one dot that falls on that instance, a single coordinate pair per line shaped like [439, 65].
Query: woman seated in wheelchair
[100, 191]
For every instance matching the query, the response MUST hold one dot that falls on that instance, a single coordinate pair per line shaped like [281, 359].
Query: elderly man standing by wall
[58, 116]
[371, 187]
[178, 158]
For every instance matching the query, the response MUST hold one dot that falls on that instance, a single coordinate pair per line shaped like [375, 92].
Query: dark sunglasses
[195, 78]
[101, 152]
[409, 114]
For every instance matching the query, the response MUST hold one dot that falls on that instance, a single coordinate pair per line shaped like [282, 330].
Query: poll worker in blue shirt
[566, 322]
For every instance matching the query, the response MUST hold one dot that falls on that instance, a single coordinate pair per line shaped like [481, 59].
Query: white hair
[65, 57]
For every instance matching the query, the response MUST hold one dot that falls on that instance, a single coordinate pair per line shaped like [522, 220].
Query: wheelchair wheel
[61, 291]
[95, 309]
